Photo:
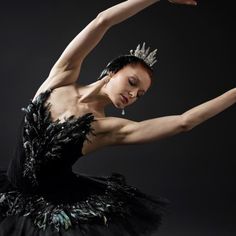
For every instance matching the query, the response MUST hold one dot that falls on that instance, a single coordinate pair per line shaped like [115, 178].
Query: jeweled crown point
[144, 54]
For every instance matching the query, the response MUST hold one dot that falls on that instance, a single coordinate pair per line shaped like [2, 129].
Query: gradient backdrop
[196, 62]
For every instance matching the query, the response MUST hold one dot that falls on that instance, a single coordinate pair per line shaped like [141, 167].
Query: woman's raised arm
[67, 68]
[89, 37]
[74, 54]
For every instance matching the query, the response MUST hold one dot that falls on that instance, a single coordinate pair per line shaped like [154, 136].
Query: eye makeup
[133, 82]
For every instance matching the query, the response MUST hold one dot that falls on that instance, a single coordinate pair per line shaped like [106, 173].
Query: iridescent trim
[97, 208]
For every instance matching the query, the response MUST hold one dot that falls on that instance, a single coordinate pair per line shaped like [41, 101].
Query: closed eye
[131, 83]
[134, 84]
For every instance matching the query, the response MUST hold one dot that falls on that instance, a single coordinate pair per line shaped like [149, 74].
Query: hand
[106, 79]
[187, 2]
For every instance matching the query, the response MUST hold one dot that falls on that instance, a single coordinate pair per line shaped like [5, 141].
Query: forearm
[124, 10]
[204, 111]
[91, 35]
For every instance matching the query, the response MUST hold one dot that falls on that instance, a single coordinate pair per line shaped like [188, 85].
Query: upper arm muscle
[110, 129]
[67, 68]
[149, 130]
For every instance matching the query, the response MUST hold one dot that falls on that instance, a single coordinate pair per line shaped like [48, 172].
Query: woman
[39, 194]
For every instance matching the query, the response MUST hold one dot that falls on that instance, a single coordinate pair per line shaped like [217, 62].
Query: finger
[192, 3]
[107, 79]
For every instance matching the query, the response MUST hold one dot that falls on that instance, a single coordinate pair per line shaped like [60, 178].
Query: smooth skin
[133, 81]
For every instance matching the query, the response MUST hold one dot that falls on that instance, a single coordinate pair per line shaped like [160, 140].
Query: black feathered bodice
[47, 149]
[41, 192]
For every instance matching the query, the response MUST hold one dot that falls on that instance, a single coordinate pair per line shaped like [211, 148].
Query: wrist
[234, 93]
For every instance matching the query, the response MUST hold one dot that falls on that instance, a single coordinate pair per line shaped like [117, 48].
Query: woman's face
[127, 85]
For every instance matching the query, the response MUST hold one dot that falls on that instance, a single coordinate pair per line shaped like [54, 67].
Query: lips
[124, 99]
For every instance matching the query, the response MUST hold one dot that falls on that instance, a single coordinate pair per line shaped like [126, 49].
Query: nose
[132, 94]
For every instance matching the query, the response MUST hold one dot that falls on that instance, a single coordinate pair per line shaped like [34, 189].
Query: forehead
[140, 73]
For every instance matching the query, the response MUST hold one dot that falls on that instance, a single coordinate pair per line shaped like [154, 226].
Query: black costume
[40, 195]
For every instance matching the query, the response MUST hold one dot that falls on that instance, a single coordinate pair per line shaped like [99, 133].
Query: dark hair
[121, 61]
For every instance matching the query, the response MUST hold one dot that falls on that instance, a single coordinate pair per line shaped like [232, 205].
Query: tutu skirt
[83, 205]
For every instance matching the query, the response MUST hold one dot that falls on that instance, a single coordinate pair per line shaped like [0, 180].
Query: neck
[94, 95]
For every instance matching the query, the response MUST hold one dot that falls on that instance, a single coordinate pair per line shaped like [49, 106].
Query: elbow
[103, 20]
[185, 123]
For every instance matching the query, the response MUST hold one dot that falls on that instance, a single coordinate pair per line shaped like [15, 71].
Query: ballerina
[39, 193]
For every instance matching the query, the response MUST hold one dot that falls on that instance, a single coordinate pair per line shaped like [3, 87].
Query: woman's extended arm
[129, 132]
[67, 68]
[89, 37]
[74, 54]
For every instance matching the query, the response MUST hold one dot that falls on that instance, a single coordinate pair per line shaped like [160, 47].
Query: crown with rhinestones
[144, 54]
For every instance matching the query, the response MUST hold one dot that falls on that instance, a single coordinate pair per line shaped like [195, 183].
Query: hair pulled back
[121, 61]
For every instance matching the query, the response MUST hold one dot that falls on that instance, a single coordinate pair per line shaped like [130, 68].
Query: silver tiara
[142, 53]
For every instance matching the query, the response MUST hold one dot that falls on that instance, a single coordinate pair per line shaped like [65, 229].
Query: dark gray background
[196, 62]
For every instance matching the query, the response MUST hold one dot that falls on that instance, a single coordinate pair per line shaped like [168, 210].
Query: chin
[118, 104]
[116, 101]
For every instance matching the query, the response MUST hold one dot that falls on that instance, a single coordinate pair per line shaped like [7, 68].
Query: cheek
[114, 89]
[115, 85]
[110, 86]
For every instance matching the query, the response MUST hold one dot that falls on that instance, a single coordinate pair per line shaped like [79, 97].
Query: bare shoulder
[57, 80]
[50, 84]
